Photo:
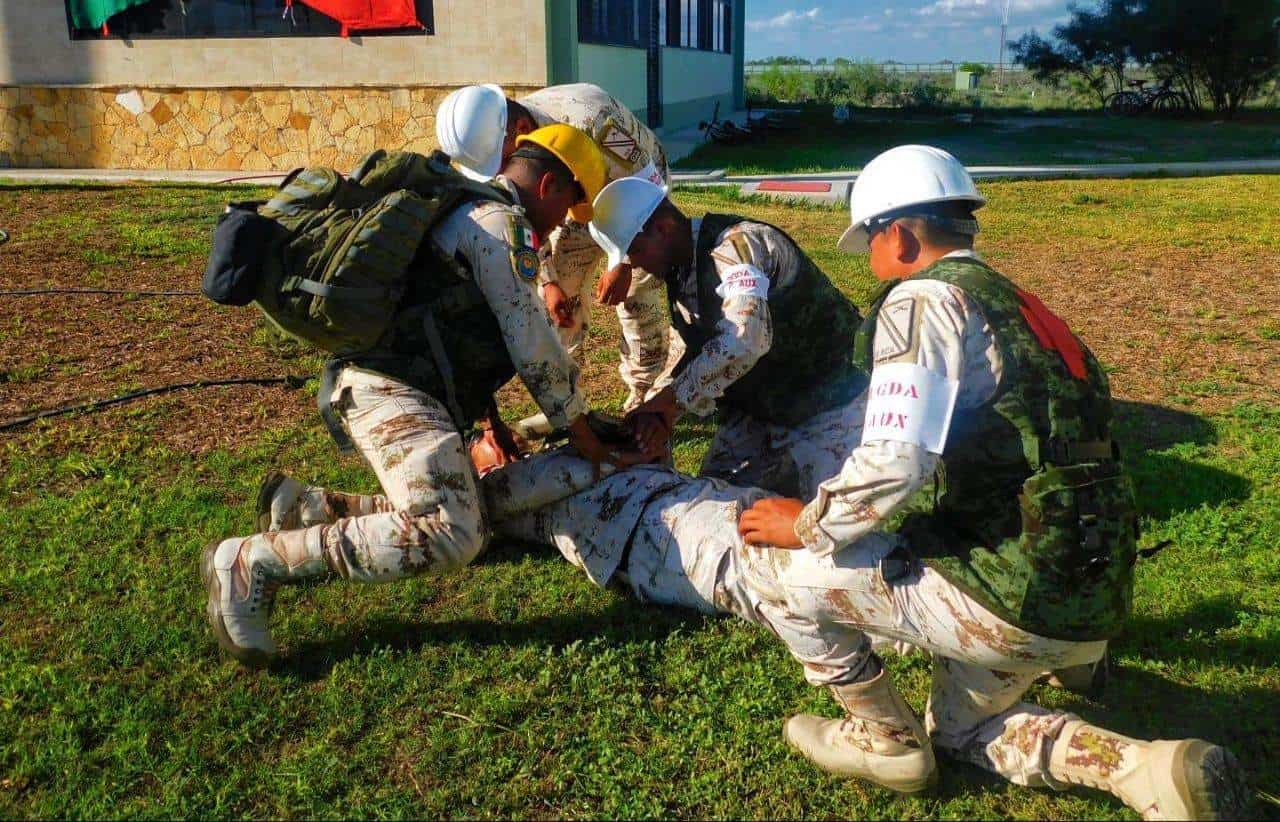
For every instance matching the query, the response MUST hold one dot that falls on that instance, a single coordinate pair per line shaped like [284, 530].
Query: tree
[1222, 50]
[1227, 49]
[1093, 46]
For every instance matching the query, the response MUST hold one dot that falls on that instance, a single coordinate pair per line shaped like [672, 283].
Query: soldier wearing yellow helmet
[479, 127]
[472, 320]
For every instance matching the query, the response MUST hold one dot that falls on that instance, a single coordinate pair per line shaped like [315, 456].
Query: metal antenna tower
[1004, 31]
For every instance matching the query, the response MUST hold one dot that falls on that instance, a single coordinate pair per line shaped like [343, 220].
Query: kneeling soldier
[768, 339]
[471, 309]
[1028, 545]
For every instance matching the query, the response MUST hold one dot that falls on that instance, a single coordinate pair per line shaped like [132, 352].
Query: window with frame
[697, 24]
[230, 18]
[690, 24]
[614, 22]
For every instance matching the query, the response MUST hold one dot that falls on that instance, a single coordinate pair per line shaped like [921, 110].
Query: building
[260, 85]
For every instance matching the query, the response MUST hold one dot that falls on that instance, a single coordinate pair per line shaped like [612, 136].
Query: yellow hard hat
[579, 153]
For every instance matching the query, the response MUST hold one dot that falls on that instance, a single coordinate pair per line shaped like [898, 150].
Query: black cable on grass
[31, 292]
[289, 381]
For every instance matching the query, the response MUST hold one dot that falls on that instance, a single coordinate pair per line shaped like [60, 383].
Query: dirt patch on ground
[58, 350]
[1178, 327]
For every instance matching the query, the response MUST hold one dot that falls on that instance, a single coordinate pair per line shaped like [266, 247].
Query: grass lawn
[995, 138]
[515, 688]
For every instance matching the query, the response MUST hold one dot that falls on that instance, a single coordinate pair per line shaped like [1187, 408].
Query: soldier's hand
[586, 443]
[653, 437]
[559, 306]
[772, 522]
[654, 420]
[613, 285]
[499, 437]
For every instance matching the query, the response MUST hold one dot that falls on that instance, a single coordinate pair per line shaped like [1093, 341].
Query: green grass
[822, 145]
[516, 688]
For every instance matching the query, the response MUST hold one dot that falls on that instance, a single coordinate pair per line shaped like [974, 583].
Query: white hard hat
[902, 177]
[471, 125]
[620, 211]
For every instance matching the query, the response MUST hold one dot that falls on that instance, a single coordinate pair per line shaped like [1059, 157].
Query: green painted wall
[562, 42]
[619, 71]
[692, 83]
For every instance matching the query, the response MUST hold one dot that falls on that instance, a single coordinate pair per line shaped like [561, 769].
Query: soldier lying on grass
[672, 540]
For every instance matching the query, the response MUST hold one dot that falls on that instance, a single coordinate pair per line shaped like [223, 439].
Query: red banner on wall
[362, 15]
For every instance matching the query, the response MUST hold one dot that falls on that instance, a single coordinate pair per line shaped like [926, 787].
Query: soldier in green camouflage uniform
[768, 343]
[1027, 548]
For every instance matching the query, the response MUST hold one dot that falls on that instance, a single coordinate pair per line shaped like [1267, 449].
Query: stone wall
[236, 129]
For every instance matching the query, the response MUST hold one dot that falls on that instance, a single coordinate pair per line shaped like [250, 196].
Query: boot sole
[249, 657]
[1210, 781]
[266, 490]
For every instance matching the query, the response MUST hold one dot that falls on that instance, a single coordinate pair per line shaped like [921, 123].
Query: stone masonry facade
[235, 129]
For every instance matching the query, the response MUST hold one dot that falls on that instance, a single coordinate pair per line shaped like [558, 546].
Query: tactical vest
[1033, 515]
[810, 367]
[443, 289]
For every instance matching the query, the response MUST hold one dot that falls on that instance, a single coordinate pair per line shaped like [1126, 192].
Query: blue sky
[906, 31]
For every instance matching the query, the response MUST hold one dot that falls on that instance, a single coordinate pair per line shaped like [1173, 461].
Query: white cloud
[784, 20]
[971, 9]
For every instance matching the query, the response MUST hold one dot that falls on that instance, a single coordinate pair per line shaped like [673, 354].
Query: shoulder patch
[524, 254]
[743, 247]
[615, 140]
[895, 328]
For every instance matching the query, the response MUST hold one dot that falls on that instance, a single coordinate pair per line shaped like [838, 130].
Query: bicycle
[1160, 99]
[724, 132]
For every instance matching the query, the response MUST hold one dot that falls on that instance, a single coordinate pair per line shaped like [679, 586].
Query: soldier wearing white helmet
[471, 125]
[768, 339]
[1029, 541]
[570, 256]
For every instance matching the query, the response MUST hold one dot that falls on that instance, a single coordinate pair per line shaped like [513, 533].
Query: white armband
[909, 403]
[743, 280]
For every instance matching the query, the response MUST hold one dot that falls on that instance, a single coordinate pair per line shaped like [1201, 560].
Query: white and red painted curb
[832, 188]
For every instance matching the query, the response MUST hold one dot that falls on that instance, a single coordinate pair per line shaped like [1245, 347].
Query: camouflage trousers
[429, 518]
[686, 552]
[791, 461]
[642, 316]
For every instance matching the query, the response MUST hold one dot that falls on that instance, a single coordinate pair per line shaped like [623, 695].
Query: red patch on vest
[1052, 333]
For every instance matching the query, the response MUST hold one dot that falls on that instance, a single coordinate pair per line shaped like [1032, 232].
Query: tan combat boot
[284, 504]
[880, 740]
[241, 576]
[279, 503]
[1089, 679]
[1165, 779]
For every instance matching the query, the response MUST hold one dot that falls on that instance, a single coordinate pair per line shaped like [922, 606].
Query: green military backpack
[327, 259]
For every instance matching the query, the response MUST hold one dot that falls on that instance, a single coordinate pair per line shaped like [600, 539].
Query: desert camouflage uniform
[747, 450]
[571, 256]
[685, 551]
[430, 517]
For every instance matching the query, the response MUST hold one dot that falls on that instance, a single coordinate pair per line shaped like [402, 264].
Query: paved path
[833, 187]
